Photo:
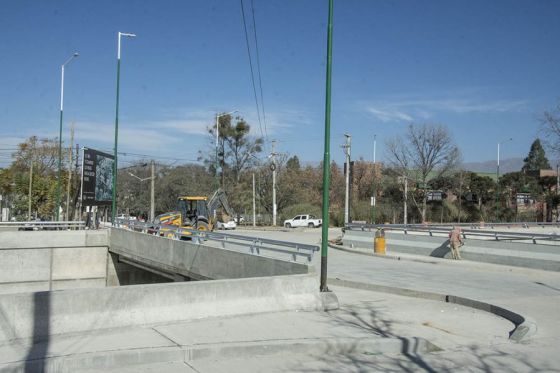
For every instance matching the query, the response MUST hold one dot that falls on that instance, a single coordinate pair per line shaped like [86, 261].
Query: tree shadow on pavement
[508, 357]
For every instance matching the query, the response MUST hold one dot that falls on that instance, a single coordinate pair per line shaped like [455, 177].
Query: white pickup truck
[303, 221]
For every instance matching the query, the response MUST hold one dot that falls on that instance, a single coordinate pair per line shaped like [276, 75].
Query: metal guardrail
[472, 233]
[254, 245]
[43, 225]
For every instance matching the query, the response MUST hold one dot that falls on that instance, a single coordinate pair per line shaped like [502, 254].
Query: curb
[193, 353]
[525, 326]
[385, 256]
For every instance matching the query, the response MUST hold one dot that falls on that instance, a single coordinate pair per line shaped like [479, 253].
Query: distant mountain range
[506, 165]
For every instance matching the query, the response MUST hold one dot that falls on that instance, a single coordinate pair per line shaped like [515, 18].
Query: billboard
[97, 178]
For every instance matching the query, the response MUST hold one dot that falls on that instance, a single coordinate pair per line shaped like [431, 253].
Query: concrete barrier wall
[51, 260]
[194, 260]
[511, 253]
[37, 315]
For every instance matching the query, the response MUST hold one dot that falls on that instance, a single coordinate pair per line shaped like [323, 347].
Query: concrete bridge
[88, 266]
[203, 308]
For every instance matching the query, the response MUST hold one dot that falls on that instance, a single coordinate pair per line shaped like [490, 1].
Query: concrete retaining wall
[546, 257]
[51, 260]
[37, 315]
[196, 261]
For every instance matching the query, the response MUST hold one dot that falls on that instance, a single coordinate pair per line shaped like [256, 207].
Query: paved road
[473, 341]
[532, 293]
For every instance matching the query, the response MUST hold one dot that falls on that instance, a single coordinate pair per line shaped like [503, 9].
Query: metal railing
[475, 232]
[43, 225]
[254, 245]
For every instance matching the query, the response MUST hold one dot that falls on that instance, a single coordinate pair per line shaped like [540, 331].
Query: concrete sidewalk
[367, 324]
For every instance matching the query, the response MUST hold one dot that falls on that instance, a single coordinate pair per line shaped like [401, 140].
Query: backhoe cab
[191, 213]
[195, 213]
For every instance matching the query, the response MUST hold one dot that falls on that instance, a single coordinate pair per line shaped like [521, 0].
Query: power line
[251, 67]
[259, 67]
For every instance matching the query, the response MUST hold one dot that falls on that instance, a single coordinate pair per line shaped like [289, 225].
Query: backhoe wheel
[203, 226]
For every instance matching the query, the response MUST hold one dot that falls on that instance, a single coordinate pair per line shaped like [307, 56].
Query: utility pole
[273, 155]
[30, 188]
[152, 192]
[557, 179]
[374, 181]
[254, 203]
[69, 172]
[498, 185]
[460, 195]
[405, 214]
[347, 148]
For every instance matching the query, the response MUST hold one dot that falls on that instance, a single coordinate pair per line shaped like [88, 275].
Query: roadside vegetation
[425, 158]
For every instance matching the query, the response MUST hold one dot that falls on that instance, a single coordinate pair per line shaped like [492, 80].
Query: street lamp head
[75, 55]
[127, 34]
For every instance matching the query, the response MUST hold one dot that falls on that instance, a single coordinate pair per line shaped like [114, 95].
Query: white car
[303, 221]
[228, 225]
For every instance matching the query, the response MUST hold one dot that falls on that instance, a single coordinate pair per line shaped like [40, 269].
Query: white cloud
[409, 108]
[389, 115]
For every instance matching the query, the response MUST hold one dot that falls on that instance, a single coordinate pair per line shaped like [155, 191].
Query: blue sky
[485, 69]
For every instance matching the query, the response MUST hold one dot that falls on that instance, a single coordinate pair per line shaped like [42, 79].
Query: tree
[536, 159]
[237, 148]
[426, 151]
[483, 188]
[550, 129]
[43, 154]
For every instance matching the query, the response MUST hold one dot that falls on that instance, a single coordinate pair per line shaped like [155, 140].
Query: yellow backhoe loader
[193, 212]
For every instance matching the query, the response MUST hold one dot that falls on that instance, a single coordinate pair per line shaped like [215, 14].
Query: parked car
[228, 225]
[303, 221]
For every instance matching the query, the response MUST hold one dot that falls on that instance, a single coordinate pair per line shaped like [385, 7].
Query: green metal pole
[57, 207]
[114, 207]
[327, 157]
[217, 142]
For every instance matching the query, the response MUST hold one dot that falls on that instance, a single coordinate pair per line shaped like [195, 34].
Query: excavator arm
[219, 199]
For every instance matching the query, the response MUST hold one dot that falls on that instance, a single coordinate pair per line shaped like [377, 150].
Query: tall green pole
[115, 149]
[114, 207]
[57, 206]
[327, 157]
[217, 141]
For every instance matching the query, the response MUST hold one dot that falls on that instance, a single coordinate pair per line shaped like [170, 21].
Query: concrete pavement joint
[525, 326]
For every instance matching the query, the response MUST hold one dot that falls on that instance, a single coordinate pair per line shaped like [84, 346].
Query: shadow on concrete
[36, 356]
[442, 250]
[364, 317]
[467, 358]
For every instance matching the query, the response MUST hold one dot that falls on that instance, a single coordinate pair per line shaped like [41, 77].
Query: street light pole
[57, 206]
[152, 192]
[347, 148]
[498, 182]
[115, 164]
[273, 155]
[327, 156]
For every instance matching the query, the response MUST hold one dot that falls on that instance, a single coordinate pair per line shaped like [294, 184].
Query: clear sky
[485, 69]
